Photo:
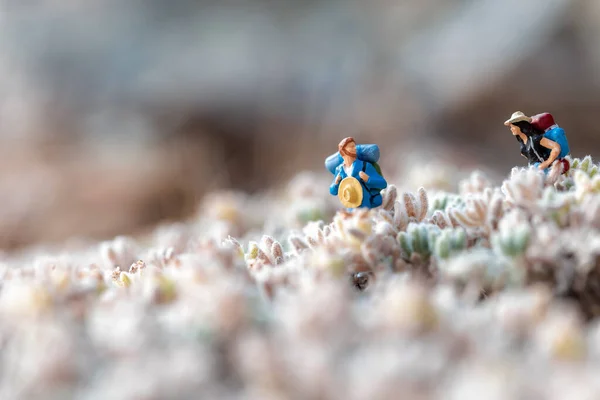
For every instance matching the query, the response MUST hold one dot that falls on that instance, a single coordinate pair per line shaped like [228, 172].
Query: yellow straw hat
[350, 192]
[517, 116]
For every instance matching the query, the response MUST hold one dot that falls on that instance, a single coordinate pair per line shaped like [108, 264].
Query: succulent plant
[449, 242]
[419, 239]
[585, 165]
[481, 211]
[444, 200]
[513, 235]
[477, 279]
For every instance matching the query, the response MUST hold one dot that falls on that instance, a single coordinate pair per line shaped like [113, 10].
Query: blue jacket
[371, 188]
[558, 135]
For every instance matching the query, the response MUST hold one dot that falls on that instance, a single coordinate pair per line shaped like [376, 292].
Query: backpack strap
[364, 167]
[370, 191]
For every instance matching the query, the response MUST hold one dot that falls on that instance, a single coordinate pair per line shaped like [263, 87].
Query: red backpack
[542, 121]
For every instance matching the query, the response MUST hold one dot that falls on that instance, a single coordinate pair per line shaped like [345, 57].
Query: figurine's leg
[566, 165]
[537, 164]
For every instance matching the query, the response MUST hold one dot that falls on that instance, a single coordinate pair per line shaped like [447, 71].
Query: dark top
[533, 150]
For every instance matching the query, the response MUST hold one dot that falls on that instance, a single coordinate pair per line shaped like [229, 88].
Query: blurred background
[118, 114]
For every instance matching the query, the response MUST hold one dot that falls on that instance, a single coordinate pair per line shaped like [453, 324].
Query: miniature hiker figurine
[358, 181]
[542, 141]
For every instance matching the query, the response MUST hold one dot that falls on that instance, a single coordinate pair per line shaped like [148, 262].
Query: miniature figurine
[542, 141]
[358, 181]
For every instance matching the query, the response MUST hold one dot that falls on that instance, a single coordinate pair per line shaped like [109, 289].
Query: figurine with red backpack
[542, 141]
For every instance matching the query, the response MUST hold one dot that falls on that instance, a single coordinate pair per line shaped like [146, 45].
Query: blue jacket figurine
[358, 181]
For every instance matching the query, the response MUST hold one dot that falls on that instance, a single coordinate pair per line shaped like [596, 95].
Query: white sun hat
[517, 116]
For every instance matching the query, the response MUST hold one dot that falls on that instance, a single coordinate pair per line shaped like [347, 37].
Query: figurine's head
[347, 147]
[525, 128]
[517, 116]
[515, 129]
[520, 123]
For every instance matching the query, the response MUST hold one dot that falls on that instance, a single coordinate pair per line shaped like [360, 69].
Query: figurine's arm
[555, 147]
[333, 189]
[373, 178]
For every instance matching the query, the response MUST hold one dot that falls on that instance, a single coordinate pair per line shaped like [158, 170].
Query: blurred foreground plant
[428, 281]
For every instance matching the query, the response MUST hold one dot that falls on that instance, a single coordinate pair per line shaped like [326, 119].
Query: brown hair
[343, 144]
